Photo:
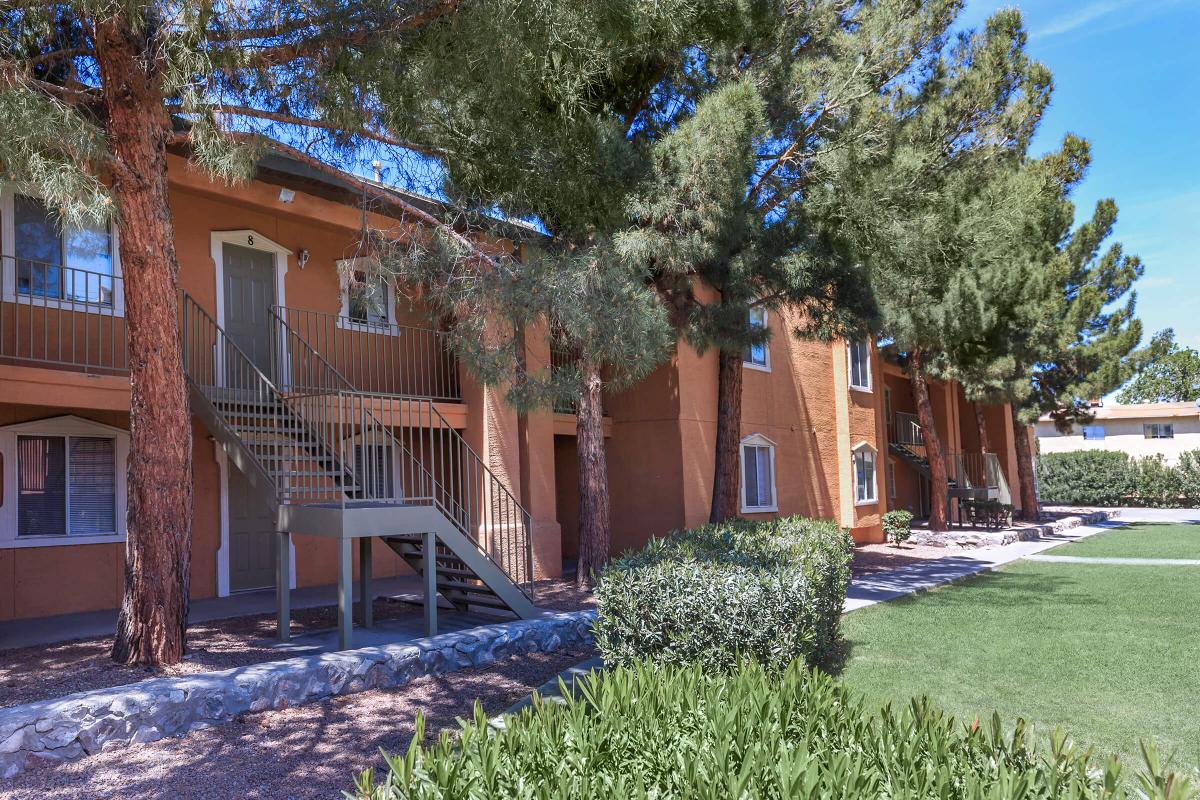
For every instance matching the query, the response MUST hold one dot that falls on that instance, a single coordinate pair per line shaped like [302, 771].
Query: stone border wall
[74, 726]
[1029, 533]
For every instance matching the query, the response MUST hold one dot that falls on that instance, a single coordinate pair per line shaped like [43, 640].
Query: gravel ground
[870, 558]
[312, 751]
[45, 671]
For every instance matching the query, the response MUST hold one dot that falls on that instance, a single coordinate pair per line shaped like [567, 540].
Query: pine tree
[738, 201]
[933, 222]
[93, 92]
[556, 125]
[1066, 333]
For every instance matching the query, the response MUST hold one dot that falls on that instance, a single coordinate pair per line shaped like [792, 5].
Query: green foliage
[1171, 375]
[1086, 477]
[650, 731]
[1110, 478]
[770, 590]
[897, 525]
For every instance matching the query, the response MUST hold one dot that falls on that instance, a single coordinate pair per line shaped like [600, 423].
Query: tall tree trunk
[594, 533]
[729, 436]
[939, 487]
[153, 618]
[1030, 507]
[982, 426]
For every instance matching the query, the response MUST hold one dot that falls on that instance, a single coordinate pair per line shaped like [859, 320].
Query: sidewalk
[878, 587]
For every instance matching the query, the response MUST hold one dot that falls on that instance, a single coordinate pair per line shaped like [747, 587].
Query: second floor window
[368, 300]
[860, 365]
[74, 264]
[1159, 430]
[758, 355]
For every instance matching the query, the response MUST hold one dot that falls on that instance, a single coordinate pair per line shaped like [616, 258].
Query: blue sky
[1127, 76]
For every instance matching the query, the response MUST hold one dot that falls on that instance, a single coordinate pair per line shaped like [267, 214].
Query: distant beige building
[1139, 429]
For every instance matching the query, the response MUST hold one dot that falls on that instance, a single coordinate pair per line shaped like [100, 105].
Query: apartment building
[1138, 429]
[336, 439]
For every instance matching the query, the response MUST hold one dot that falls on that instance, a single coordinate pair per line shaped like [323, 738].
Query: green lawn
[1110, 653]
[1139, 540]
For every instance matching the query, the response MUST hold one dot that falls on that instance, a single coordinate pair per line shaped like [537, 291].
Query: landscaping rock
[71, 727]
[970, 539]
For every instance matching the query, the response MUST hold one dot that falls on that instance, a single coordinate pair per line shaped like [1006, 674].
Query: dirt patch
[38, 673]
[313, 751]
[869, 558]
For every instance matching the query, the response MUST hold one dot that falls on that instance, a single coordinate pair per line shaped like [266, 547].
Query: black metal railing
[379, 359]
[60, 316]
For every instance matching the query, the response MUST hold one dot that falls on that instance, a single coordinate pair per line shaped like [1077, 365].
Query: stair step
[466, 588]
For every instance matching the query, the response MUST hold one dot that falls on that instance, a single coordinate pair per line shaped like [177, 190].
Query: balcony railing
[979, 471]
[384, 360]
[908, 429]
[63, 317]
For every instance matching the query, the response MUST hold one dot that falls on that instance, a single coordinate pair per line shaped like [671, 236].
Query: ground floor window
[864, 474]
[1159, 430]
[62, 478]
[758, 474]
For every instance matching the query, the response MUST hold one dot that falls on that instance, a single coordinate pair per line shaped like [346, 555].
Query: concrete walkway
[879, 587]
[1152, 562]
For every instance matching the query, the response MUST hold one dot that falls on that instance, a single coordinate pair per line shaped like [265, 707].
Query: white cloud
[1078, 18]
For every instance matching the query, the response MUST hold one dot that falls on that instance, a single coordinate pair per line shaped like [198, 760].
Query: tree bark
[982, 426]
[729, 436]
[1030, 507]
[939, 486]
[594, 532]
[153, 618]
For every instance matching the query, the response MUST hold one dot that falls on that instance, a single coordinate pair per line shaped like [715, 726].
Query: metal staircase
[317, 452]
[917, 461]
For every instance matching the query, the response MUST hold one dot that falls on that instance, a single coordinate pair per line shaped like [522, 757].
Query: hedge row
[1111, 478]
[655, 731]
[771, 590]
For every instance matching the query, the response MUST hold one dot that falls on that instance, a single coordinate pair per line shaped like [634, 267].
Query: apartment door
[251, 537]
[249, 295]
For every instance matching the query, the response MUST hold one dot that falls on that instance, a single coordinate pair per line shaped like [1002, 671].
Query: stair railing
[433, 464]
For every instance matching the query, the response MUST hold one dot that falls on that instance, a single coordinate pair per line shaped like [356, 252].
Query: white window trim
[389, 328]
[8, 244]
[1157, 427]
[756, 440]
[68, 425]
[765, 367]
[850, 368]
[874, 499]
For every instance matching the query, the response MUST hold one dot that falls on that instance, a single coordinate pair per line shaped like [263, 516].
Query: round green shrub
[772, 590]
[897, 526]
[669, 732]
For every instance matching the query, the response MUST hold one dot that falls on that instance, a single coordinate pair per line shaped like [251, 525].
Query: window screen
[758, 483]
[41, 486]
[92, 486]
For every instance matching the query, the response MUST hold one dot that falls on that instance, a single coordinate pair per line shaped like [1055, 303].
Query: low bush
[770, 590]
[1087, 477]
[1110, 478]
[667, 732]
[897, 526]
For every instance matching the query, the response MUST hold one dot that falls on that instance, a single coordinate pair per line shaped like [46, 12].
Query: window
[758, 355]
[1093, 432]
[860, 365]
[891, 479]
[887, 405]
[66, 485]
[368, 301]
[758, 474]
[864, 475]
[75, 265]
[373, 466]
[1159, 430]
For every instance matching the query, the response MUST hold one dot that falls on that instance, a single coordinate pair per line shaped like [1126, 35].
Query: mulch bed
[45, 671]
[313, 751]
